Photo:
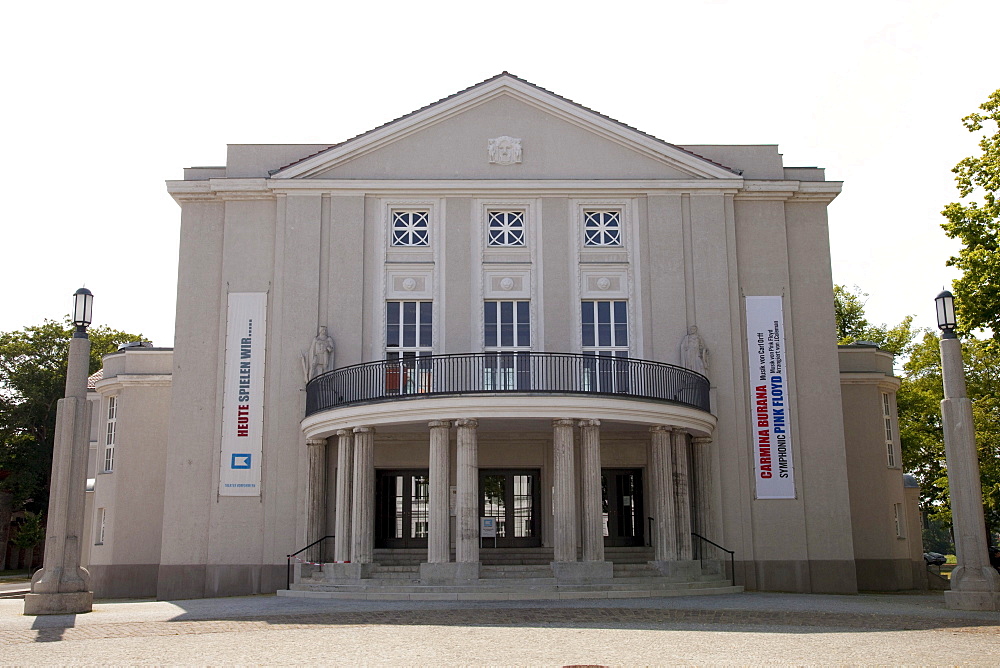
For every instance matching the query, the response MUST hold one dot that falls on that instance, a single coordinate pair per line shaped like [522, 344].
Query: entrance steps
[510, 574]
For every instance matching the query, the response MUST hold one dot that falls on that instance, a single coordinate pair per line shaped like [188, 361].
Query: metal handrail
[288, 560]
[506, 372]
[732, 562]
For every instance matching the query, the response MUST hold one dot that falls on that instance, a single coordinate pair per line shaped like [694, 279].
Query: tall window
[507, 337]
[899, 517]
[109, 441]
[506, 228]
[605, 336]
[602, 228]
[409, 228]
[890, 448]
[102, 516]
[408, 330]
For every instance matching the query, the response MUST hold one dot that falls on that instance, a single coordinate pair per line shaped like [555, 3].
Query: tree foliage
[977, 224]
[918, 400]
[853, 325]
[32, 379]
[921, 432]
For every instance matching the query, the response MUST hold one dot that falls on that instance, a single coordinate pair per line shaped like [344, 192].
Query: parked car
[934, 558]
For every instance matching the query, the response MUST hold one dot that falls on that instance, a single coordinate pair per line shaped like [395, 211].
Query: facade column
[363, 502]
[345, 477]
[467, 520]
[704, 491]
[438, 538]
[564, 491]
[590, 463]
[316, 498]
[664, 531]
[682, 495]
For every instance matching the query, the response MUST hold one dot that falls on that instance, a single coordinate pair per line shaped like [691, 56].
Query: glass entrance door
[401, 499]
[511, 497]
[621, 492]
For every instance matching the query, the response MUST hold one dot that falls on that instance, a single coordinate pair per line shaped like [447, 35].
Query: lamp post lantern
[975, 585]
[62, 585]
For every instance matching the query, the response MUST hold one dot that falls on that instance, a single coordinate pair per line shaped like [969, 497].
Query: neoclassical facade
[503, 322]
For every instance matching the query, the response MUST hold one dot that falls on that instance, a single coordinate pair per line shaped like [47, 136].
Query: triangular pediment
[556, 139]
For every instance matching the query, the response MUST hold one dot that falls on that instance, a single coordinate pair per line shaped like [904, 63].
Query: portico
[566, 469]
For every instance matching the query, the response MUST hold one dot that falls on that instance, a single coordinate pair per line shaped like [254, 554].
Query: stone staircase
[509, 574]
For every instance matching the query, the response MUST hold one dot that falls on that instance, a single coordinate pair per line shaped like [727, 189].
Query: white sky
[104, 101]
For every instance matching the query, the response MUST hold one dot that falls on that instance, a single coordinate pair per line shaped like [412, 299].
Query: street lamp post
[62, 586]
[975, 585]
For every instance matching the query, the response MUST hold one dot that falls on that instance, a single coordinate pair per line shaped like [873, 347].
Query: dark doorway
[621, 496]
[401, 507]
[511, 497]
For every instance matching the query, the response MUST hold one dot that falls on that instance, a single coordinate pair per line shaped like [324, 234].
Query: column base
[968, 600]
[582, 571]
[449, 573]
[351, 571]
[688, 569]
[61, 603]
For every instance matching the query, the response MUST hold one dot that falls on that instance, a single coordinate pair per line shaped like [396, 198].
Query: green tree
[921, 432]
[30, 532]
[32, 379]
[977, 224]
[853, 325]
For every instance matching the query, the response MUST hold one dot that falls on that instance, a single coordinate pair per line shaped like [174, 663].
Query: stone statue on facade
[694, 352]
[319, 360]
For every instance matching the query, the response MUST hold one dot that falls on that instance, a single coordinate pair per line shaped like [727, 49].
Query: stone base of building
[678, 569]
[62, 603]
[970, 600]
[713, 567]
[449, 573]
[349, 571]
[582, 571]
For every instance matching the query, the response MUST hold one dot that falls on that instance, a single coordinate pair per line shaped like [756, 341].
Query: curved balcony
[525, 373]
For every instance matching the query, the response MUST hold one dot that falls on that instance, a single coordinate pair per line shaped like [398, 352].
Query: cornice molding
[420, 411]
[817, 191]
[119, 382]
[870, 378]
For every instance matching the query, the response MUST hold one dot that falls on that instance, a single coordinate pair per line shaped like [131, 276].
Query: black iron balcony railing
[515, 372]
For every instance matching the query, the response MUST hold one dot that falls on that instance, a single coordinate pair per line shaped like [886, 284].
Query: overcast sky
[104, 101]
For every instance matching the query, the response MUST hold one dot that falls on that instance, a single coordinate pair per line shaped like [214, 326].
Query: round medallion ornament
[604, 283]
[409, 284]
[507, 284]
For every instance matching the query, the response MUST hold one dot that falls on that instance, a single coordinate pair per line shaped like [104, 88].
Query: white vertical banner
[243, 395]
[769, 414]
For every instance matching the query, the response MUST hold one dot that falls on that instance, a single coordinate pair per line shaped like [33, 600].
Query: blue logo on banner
[240, 461]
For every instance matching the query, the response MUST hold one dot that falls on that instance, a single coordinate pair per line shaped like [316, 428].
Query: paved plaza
[737, 629]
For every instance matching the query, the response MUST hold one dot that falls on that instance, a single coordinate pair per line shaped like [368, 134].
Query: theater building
[503, 314]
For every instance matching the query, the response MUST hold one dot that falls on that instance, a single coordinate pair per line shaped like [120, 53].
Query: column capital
[344, 432]
[590, 423]
[702, 440]
[564, 422]
[436, 424]
[677, 431]
[468, 423]
[659, 428]
[315, 441]
[364, 430]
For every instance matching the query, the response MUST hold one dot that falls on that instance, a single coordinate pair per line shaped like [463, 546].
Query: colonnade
[671, 508]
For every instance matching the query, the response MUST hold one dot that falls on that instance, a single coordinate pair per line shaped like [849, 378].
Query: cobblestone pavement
[731, 629]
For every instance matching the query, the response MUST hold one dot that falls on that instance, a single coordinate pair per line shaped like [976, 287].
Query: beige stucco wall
[126, 563]
[698, 238]
[884, 560]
